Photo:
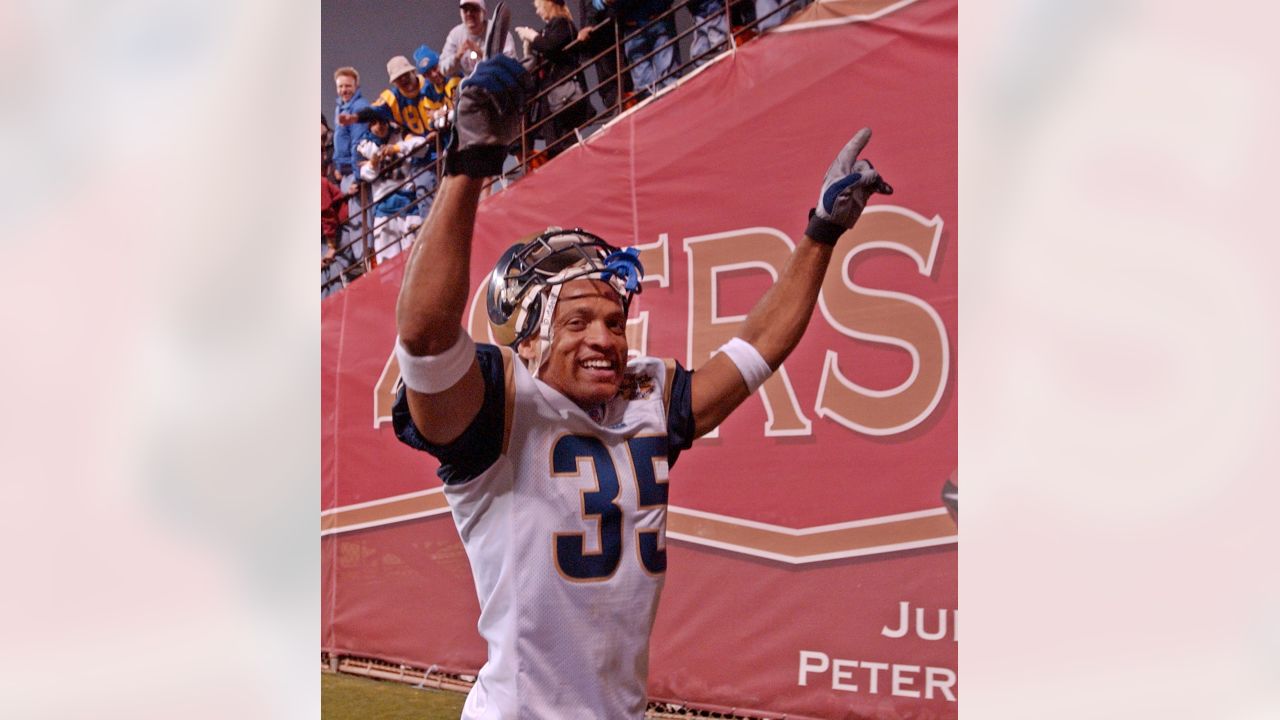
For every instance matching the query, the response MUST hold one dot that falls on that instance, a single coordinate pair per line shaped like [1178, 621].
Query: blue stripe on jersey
[478, 447]
[680, 430]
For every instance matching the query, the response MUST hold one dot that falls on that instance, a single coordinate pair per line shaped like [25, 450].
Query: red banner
[812, 564]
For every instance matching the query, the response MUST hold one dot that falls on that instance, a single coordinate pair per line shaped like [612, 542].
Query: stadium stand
[364, 228]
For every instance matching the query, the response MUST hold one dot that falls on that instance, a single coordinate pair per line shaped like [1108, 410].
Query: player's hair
[348, 71]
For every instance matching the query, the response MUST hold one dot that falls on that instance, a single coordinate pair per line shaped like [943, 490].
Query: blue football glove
[848, 184]
[488, 117]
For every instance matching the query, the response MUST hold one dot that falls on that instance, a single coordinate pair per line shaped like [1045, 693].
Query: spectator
[440, 91]
[349, 101]
[404, 103]
[339, 259]
[394, 195]
[464, 46]
[598, 34]
[326, 148]
[764, 7]
[333, 213]
[649, 72]
[410, 105]
[439, 94]
[710, 27]
[564, 106]
[741, 14]
[347, 83]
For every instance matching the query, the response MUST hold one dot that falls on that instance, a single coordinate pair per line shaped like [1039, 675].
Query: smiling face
[588, 343]
[407, 84]
[346, 86]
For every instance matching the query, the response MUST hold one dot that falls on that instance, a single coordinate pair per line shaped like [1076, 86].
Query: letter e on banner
[885, 317]
[840, 674]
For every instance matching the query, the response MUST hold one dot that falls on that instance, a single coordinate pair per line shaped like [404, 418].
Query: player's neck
[595, 411]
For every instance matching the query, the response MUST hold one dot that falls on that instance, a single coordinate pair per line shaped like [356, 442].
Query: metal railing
[359, 252]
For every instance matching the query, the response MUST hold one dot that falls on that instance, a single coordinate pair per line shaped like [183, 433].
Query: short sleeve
[479, 446]
[680, 427]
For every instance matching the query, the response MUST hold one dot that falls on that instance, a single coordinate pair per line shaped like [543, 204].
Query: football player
[554, 450]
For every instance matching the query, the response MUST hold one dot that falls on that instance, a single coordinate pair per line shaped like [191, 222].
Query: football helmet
[522, 289]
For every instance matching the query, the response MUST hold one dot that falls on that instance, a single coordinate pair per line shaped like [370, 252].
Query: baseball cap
[473, 2]
[425, 58]
[398, 66]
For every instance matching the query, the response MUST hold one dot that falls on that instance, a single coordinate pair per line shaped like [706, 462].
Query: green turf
[346, 697]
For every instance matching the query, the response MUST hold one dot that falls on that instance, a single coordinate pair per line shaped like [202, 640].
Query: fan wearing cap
[555, 449]
[438, 88]
[464, 45]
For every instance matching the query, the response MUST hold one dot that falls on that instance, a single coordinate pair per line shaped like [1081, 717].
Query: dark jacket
[549, 47]
[634, 13]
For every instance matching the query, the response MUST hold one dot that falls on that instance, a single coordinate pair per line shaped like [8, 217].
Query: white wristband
[436, 373]
[749, 361]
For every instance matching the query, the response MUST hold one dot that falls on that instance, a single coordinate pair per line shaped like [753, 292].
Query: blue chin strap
[624, 265]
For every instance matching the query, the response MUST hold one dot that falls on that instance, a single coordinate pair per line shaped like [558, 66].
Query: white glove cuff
[749, 361]
[436, 373]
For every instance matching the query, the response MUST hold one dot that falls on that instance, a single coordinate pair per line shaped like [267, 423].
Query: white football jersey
[563, 517]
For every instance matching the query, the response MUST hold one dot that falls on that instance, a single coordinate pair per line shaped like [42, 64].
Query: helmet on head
[525, 283]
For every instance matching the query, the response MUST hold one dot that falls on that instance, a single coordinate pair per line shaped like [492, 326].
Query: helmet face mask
[525, 282]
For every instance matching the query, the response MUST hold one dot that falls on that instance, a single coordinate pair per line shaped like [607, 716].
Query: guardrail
[358, 253]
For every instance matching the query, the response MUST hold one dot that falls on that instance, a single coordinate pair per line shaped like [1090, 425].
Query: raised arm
[431, 302]
[775, 325]
[554, 37]
[443, 384]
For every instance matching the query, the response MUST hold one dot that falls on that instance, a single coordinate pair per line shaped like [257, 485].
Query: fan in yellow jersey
[421, 105]
[413, 99]
[439, 90]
